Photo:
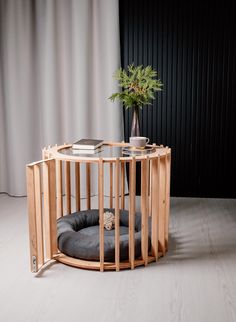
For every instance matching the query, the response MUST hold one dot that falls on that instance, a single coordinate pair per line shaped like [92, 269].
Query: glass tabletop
[107, 151]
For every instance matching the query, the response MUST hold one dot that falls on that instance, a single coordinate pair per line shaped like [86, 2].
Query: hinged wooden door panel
[41, 192]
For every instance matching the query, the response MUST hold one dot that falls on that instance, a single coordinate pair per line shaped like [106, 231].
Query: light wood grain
[88, 185]
[162, 204]
[38, 213]
[123, 185]
[77, 186]
[101, 211]
[68, 187]
[53, 179]
[93, 265]
[32, 218]
[167, 197]
[49, 197]
[155, 206]
[52, 206]
[111, 185]
[117, 215]
[59, 188]
[132, 193]
[144, 213]
[46, 211]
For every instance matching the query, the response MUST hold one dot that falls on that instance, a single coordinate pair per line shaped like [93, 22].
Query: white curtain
[57, 59]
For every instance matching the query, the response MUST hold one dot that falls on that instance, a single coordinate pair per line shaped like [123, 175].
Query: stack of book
[87, 146]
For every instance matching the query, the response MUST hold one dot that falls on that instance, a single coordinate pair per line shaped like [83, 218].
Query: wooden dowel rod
[122, 185]
[111, 185]
[101, 211]
[49, 193]
[117, 216]
[155, 207]
[168, 171]
[144, 204]
[88, 185]
[132, 195]
[52, 206]
[162, 205]
[68, 188]
[59, 188]
[77, 186]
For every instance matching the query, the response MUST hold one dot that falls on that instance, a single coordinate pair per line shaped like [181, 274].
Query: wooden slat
[132, 193]
[68, 187]
[155, 202]
[122, 185]
[101, 211]
[77, 186]
[32, 220]
[49, 192]
[52, 205]
[88, 185]
[117, 216]
[59, 188]
[144, 205]
[150, 189]
[111, 185]
[162, 205]
[38, 214]
[167, 181]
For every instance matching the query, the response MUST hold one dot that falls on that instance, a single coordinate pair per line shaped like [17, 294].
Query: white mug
[138, 141]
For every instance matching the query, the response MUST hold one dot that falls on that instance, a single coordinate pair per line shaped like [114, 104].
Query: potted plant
[139, 85]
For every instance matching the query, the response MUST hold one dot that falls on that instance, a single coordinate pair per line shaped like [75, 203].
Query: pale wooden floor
[195, 282]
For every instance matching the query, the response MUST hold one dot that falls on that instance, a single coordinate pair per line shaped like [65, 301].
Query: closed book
[87, 144]
[86, 151]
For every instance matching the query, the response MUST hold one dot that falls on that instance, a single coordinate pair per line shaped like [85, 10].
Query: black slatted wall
[192, 46]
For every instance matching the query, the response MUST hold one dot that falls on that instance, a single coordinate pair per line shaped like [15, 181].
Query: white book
[87, 144]
[87, 151]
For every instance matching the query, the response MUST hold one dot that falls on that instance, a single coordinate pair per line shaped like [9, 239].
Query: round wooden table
[50, 196]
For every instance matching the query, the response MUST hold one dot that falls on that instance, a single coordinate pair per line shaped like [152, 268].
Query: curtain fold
[57, 59]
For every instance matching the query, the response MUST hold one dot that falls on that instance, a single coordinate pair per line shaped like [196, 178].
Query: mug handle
[147, 140]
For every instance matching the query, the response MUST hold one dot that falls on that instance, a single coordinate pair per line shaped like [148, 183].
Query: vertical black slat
[160, 68]
[174, 91]
[202, 86]
[183, 90]
[197, 100]
[168, 132]
[209, 50]
[149, 131]
[155, 42]
[218, 94]
[228, 50]
[165, 74]
[178, 85]
[187, 95]
[212, 105]
[136, 26]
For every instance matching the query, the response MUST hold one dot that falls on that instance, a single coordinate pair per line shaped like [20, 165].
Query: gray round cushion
[78, 236]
